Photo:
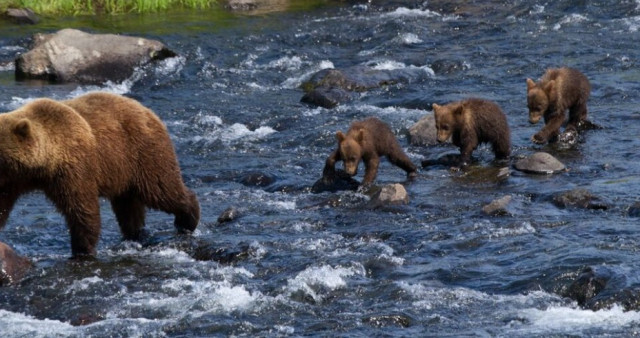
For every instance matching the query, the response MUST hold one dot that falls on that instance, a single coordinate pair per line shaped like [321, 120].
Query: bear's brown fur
[98, 144]
[558, 90]
[368, 140]
[471, 122]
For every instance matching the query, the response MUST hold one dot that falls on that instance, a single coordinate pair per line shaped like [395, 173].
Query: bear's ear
[340, 136]
[22, 129]
[530, 84]
[435, 106]
[458, 110]
[548, 88]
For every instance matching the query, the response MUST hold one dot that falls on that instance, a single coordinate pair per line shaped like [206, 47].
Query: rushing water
[297, 263]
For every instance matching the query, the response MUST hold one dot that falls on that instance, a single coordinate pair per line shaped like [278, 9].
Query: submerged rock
[70, 55]
[388, 320]
[257, 179]
[579, 198]
[424, 132]
[230, 214]
[497, 206]
[601, 288]
[12, 266]
[540, 163]
[256, 6]
[634, 210]
[330, 87]
[22, 16]
[390, 194]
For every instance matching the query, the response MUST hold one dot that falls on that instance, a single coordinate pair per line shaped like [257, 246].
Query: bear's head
[538, 99]
[350, 148]
[447, 118]
[18, 143]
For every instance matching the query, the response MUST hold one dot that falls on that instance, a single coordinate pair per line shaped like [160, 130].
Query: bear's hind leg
[130, 213]
[577, 115]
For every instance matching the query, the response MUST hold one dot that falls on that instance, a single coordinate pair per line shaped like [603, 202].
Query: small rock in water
[424, 132]
[257, 179]
[12, 266]
[540, 163]
[388, 320]
[634, 210]
[230, 214]
[498, 206]
[579, 198]
[588, 285]
[390, 194]
[337, 181]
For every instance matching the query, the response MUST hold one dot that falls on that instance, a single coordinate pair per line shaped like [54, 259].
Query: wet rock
[257, 179]
[327, 97]
[587, 285]
[446, 66]
[230, 214]
[12, 266]
[447, 160]
[388, 320]
[634, 210]
[70, 55]
[497, 206]
[330, 87]
[338, 181]
[390, 194]
[540, 163]
[21, 16]
[256, 6]
[579, 198]
[424, 132]
[223, 255]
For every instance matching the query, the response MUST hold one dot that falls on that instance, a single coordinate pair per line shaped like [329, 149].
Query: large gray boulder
[12, 266]
[21, 16]
[70, 55]
[424, 132]
[540, 163]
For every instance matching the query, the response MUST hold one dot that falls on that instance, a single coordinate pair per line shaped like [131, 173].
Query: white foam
[84, 283]
[286, 63]
[295, 82]
[403, 11]
[321, 277]
[19, 325]
[239, 131]
[392, 65]
[409, 38]
[569, 19]
[9, 66]
[574, 320]
[170, 66]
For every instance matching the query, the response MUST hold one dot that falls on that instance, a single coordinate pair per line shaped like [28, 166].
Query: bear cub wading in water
[558, 90]
[471, 122]
[367, 140]
[95, 145]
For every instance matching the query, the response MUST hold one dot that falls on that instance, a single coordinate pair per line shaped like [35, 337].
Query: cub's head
[447, 118]
[350, 148]
[538, 99]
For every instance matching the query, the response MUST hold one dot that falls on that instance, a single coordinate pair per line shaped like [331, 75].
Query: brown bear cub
[558, 90]
[95, 145]
[368, 140]
[471, 122]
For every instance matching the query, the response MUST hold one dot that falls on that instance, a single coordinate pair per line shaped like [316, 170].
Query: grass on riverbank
[80, 7]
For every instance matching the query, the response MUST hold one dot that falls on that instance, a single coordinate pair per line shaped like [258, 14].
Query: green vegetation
[83, 7]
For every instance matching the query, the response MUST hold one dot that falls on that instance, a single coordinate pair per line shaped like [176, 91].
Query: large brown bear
[98, 144]
[558, 90]
[368, 140]
[471, 122]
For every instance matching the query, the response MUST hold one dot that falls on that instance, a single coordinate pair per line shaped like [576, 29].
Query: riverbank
[82, 7]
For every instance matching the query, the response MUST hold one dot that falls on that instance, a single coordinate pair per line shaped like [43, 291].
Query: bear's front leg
[8, 199]
[550, 129]
[330, 164]
[370, 170]
[81, 210]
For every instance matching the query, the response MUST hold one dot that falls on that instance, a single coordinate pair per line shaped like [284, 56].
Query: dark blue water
[327, 264]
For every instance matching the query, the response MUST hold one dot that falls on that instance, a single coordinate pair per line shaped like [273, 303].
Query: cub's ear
[458, 110]
[530, 84]
[548, 88]
[22, 129]
[340, 136]
[435, 106]
[360, 136]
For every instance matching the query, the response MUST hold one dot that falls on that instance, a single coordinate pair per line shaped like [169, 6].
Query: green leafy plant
[84, 7]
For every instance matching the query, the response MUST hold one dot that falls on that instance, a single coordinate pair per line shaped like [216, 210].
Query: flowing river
[295, 263]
